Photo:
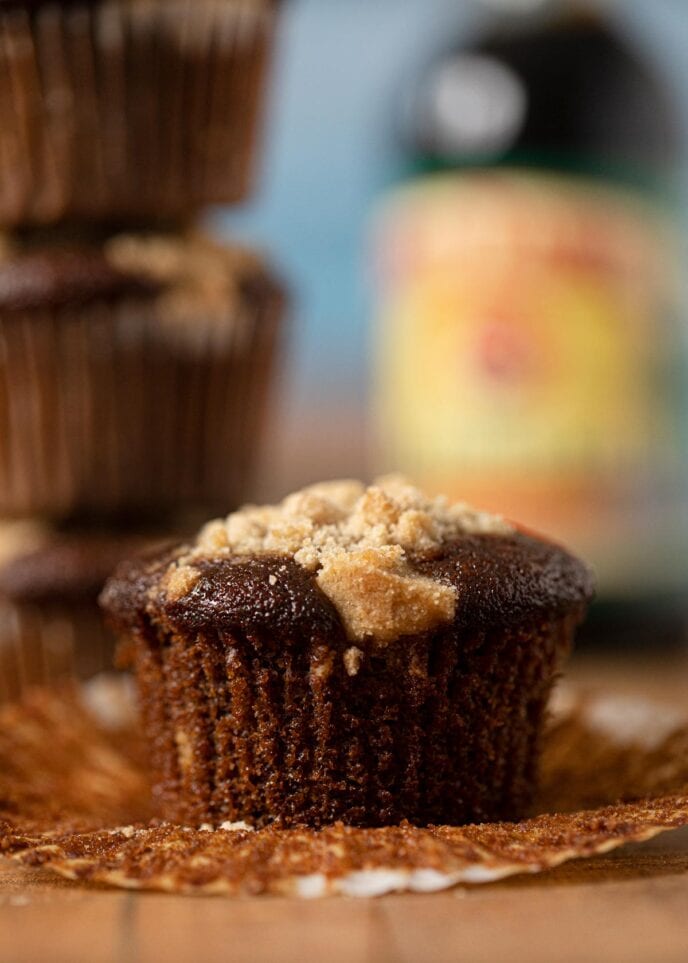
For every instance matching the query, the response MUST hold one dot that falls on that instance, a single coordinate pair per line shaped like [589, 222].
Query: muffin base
[443, 728]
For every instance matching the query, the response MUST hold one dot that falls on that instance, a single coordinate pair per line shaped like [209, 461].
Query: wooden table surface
[631, 905]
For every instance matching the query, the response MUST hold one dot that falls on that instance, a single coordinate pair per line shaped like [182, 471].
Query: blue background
[330, 149]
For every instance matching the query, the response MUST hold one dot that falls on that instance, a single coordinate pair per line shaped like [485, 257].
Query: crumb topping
[357, 541]
[180, 580]
[21, 537]
[192, 269]
[352, 660]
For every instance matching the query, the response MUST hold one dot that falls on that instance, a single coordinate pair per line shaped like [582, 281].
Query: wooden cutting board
[631, 905]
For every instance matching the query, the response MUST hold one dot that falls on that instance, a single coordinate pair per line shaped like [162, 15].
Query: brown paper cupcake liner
[108, 410]
[49, 643]
[74, 753]
[128, 111]
[74, 800]
[432, 729]
[51, 627]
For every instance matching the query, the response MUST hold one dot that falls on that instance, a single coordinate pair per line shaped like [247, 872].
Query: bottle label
[521, 359]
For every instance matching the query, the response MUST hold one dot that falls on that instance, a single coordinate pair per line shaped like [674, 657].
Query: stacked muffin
[135, 352]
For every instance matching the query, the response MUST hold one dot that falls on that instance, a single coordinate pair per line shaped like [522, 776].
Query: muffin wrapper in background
[114, 409]
[125, 111]
[433, 729]
[52, 631]
[50, 643]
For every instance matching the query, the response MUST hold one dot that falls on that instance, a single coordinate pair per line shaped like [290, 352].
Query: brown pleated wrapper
[51, 627]
[107, 410]
[438, 729]
[48, 643]
[74, 799]
[128, 111]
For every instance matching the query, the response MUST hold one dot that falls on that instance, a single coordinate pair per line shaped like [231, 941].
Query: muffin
[128, 110]
[364, 655]
[134, 376]
[51, 628]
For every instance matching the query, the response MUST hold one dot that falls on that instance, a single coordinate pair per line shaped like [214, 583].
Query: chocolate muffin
[128, 110]
[364, 655]
[51, 628]
[134, 375]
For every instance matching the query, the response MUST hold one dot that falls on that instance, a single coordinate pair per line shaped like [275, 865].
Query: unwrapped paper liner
[74, 798]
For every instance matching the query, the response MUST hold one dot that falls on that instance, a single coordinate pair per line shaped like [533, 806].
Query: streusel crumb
[357, 541]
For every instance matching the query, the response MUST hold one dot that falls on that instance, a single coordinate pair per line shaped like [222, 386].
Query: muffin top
[59, 278]
[39, 563]
[187, 275]
[373, 564]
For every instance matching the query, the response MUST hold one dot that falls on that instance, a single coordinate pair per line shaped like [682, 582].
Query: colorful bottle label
[522, 353]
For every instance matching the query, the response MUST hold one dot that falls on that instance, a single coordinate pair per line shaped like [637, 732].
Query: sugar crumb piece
[184, 750]
[237, 827]
[215, 536]
[352, 660]
[272, 579]
[180, 581]
[378, 596]
[321, 667]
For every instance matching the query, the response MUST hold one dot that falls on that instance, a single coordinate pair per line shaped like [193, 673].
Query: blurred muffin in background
[134, 375]
[128, 110]
[51, 629]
